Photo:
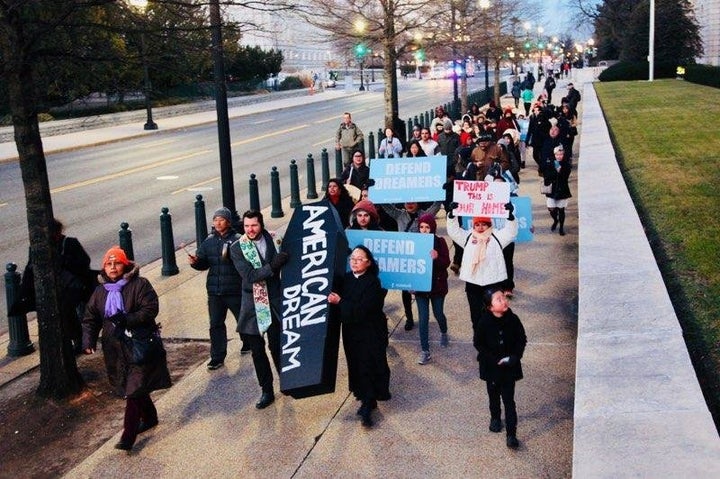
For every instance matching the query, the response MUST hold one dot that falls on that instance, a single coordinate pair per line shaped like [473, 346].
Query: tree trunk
[496, 86]
[463, 93]
[59, 376]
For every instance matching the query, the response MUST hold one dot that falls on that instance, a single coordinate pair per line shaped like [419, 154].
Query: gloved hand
[370, 182]
[510, 207]
[279, 261]
[453, 205]
[119, 320]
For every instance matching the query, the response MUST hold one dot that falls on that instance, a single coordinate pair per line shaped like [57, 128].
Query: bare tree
[387, 25]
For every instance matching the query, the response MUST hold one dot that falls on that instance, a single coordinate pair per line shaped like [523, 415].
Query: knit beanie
[429, 220]
[223, 213]
[116, 254]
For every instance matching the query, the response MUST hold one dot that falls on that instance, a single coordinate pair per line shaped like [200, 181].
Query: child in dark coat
[499, 337]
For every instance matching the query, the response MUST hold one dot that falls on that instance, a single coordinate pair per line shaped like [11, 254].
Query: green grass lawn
[667, 138]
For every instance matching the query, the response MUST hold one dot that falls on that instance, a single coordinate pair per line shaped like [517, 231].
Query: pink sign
[481, 198]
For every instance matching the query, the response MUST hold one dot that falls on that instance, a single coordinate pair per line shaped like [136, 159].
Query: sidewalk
[434, 426]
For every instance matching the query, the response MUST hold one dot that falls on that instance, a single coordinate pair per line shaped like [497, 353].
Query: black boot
[554, 215]
[561, 217]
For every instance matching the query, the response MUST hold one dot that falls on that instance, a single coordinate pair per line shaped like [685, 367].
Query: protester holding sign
[259, 263]
[407, 221]
[436, 295]
[483, 264]
[361, 299]
[356, 173]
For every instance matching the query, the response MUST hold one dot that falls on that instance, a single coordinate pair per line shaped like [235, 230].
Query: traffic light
[360, 50]
[527, 45]
[420, 55]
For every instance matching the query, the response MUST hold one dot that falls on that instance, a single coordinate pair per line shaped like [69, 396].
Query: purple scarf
[114, 301]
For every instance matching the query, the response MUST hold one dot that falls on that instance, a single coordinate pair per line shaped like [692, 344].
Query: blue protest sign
[522, 213]
[402, 180]
[404, 258]
[317, 251]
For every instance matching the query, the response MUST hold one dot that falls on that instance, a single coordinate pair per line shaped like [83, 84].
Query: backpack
[551, 82]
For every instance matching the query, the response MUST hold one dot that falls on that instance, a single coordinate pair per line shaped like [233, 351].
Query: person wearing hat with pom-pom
[483, 263]
[123, 304]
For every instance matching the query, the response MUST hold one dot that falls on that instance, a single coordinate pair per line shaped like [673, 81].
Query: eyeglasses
[357, 260]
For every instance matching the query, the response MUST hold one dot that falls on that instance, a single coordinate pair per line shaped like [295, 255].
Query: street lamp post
[149, 123]
[147, 86]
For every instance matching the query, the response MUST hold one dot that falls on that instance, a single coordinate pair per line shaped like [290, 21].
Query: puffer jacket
[492, 269]
[223, 278]
[141, 308]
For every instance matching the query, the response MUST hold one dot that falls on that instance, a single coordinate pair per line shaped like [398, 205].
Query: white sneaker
[424, 357]
[444, 341]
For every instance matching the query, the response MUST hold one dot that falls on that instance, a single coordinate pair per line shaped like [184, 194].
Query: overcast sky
[559, 18]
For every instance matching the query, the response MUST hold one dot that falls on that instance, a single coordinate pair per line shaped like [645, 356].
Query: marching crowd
[244, 268]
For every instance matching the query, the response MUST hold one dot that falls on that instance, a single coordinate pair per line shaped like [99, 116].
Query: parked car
[330, 83]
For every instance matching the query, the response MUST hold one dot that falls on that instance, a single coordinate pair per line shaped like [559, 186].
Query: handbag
[145, 346]
[546, 189]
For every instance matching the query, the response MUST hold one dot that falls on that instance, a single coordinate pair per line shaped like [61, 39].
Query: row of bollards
[20, 344]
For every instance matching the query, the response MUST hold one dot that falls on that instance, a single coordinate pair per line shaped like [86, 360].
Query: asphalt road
[96, 188]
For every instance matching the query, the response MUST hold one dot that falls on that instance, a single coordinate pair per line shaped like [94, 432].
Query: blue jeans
[423, 306]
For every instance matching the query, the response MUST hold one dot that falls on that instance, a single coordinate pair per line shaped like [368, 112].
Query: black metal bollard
[276, 211]
[325, 168]
[201, 229]
[417, 121]
[371, 145]
[20, 344]
[125, 240]
[294, 185]
[169, 267]
[312, 190]
[254, 193]
[409, 128]
[427, 119]
[338, 164]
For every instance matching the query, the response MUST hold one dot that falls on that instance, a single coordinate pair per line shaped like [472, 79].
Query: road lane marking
[325, 142]
[264, 121]
[268, 135]
[130, 171]
[195, 185]
[3, 204]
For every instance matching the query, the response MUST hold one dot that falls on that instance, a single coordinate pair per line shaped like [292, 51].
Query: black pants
[218, 307]
[506, 391]
[508, 253]
[256, 344]
[136, 409]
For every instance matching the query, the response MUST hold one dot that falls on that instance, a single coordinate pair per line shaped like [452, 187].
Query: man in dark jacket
[259, 263]
[224, 286]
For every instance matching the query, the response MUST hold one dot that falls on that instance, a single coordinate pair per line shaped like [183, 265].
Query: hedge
[703, 74]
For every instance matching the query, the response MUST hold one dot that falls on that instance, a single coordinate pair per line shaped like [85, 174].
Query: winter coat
[390, 148]
[247, 323]
[538, 130]
[449, 142]
[440, 265]
[223, 278]
[141, 308]
[496, 338]
[407, 221]
[492, 270]
[364, 331]
[358, 176]
[349, 136]
[559, 179]
[483, 160]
